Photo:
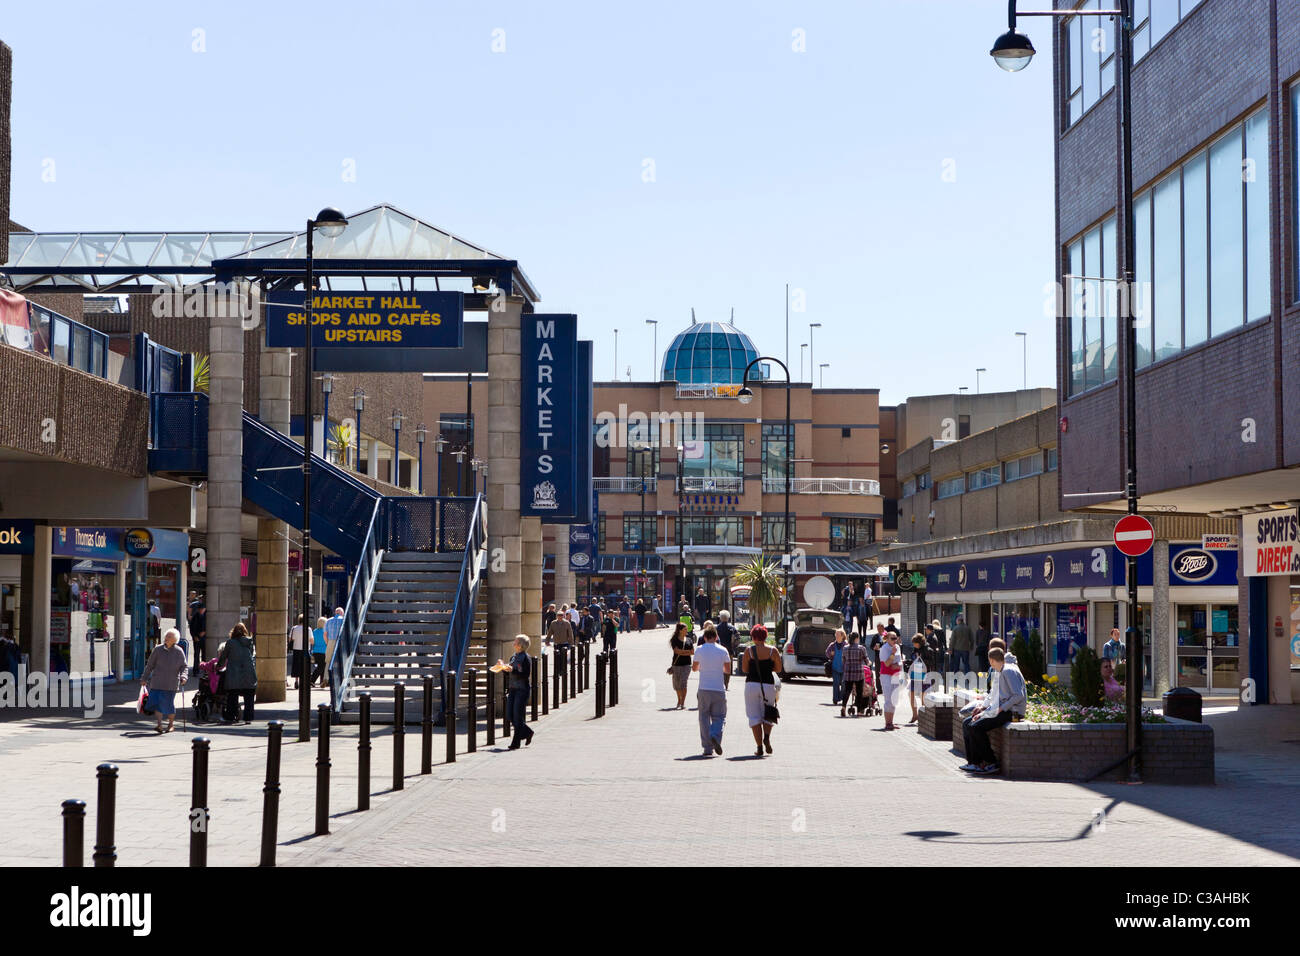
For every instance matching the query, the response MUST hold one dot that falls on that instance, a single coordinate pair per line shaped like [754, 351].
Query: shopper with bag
[237, 659]
[760, 665]
[683, 644]
[165, 673]
[891, 671]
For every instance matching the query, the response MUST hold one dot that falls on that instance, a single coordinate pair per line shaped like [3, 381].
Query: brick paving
[631, 788]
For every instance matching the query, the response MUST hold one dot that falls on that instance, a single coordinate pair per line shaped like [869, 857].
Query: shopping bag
[143, 701]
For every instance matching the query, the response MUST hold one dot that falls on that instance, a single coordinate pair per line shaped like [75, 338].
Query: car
[804, 654]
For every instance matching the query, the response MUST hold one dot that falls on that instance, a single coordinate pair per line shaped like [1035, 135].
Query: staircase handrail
[461, 625]
[354, 615]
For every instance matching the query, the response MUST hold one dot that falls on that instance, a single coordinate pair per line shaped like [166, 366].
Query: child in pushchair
[209, 700]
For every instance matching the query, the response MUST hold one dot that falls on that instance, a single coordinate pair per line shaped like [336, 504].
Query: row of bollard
[571, 675]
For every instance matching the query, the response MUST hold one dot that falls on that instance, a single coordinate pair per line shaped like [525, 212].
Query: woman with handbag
[891, 675]
[683, 645]
[165, 673]
[760, 665]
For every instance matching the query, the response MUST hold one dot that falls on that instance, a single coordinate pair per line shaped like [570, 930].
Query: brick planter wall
[935, 720]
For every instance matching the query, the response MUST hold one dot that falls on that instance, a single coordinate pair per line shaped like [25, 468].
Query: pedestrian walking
[318, 653]
[760, 665]
[835, 656]
[547, 617]
[982, 649]
[727, 633]
[164, 674]
[639, 611]
[856, 663]
[658, 611]
[891, 669]
[296, 645]
[961, 645]
[683, 644]
[703, 605]
[713, 663]
[333, 628]
[237, 660]
[609, 633]
[920, 672]
[519, 690]
[624, 615]
[869, 607]
[560, 636]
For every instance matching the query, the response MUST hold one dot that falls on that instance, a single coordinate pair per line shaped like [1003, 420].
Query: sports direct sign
[1270, 543]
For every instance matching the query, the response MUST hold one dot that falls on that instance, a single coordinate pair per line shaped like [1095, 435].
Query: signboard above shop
[406, 320]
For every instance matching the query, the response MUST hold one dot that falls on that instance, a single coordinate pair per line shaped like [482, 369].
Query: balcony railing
[723, 483]
[630, 484]
[822, 486]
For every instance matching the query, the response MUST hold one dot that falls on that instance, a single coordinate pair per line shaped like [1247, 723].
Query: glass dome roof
[710, 353]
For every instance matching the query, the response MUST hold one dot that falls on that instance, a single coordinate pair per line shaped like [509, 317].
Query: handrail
[354, 615]
[461, 625]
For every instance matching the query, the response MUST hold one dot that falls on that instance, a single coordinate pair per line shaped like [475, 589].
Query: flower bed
[1049, 704]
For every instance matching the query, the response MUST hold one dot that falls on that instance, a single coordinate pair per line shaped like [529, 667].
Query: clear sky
[638, 159]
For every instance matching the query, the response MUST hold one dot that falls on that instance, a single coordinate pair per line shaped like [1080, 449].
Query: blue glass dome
[710, 353]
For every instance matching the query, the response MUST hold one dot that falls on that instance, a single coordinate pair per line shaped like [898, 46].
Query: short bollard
[613, 677]
[491, 703]
[586, 667]
[449, 715]
[105, 812]
[363, 756]
[600, 685]
[546, 686]
[562, 665]
[573, 672]
[399, 736]
[271, 792]
[505, 707]
[426, 729]
[74, 833]
[199, 803]
[322, 769]
[535, 692]
[471, 713]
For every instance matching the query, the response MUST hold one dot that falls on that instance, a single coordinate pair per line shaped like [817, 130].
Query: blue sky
[824, 168]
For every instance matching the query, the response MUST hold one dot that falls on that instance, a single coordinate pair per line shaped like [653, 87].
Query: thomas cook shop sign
[408, 320]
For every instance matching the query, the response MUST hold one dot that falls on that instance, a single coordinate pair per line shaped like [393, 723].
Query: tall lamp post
[358, 405]
[326, 388]
[331, 224]
[397, 418]
[822, 373]
[812, 357]
[681, 508]
[654, 367]
[801, 348]
[421, 433]
[1024, 339]
[746, 395]
[1012, 51]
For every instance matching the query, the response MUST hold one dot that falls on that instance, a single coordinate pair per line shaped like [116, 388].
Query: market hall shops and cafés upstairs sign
[408, 320]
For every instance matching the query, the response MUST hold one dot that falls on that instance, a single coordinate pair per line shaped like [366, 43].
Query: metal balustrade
[732, 484]
[630, 484]
[822, 486]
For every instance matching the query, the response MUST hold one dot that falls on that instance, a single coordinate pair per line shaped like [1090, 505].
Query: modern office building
[1215, 105]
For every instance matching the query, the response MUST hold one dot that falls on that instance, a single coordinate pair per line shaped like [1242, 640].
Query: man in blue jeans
[624, 615]
[520, 687]
[835, 654]
[712, 662]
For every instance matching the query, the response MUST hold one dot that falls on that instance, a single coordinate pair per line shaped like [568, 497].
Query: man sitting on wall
[1006, 700]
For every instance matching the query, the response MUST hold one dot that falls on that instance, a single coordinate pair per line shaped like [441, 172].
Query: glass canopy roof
[710, 353]
[147, 259]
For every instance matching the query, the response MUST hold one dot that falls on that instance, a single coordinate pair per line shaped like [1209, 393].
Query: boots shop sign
[1270, 543]
[548, 463]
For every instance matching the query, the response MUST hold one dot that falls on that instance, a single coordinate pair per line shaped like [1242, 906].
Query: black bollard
[534, 695]
[426, 729]
[562, 665]
[573, 672]
[600, 685]
[491, 709]
[399, 736]
[105, 812]
[271, 792]
[586, 667]
[322, 769]
[471, 714]
[199, 803]
[449, 714]
[505, 707]
[74, 833]
[546, 686]
[613, 677]
[363, 756]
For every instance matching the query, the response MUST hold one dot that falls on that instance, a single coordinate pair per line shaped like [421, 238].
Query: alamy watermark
[62, 691]
[623, 429]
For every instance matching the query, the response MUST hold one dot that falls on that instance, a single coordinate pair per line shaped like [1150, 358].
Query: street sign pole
[1134, 536]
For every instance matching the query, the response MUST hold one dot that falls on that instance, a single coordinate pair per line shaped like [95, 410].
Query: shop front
[16, 544]
[1270, 553]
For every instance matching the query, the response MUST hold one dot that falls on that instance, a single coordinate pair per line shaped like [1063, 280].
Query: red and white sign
[1219, 542]
[1270, 543]
[1134, 535]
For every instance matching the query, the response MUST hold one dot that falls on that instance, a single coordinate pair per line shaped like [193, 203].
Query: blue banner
[584, 434]
[16, 537]
[1098, 566]
[548, 483]
[111, 543]
[403, 320]
[582, 548]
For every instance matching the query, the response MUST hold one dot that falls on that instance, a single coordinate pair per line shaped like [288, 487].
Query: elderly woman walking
[891, 676]
[760, 665]
[165, 673]
[238, 659]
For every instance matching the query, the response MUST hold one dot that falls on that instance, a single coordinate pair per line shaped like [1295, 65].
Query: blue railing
[354, 615]
[461, 626]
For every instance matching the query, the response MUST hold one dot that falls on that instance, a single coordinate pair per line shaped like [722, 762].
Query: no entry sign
[1134, 535]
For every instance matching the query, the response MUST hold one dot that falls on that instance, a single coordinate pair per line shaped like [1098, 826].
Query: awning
[616, 564]
[822, 564]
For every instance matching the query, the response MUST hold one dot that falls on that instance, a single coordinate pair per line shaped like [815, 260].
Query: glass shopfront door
[1209, 648]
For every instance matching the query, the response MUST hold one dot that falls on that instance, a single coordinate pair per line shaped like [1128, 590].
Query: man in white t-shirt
[712, 662]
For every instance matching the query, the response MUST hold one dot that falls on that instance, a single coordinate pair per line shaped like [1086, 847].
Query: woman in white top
[891, 675]
[295, 644]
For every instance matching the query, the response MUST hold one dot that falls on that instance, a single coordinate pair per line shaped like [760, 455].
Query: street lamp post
[822, 372]
[654, 366]
[801, 348]
[681, 508]
[1024, 339]
[1012, 51]
[812, 357]
[397, 419]
[746, 395]
[977, 379]
[358, 404]
[421, 433]
[331, 223]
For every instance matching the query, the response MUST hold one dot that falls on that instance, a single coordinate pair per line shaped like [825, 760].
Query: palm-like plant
[765, 587]
[202, 373]
[341, 438]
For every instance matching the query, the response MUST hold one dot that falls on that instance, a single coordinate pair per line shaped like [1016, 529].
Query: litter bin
[1183, 703]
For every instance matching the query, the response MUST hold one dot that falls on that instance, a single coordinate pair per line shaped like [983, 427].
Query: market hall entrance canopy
[382, 248]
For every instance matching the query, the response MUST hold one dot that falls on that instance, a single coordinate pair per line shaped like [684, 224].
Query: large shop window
[1202, 259]
[776, 449]
[774, 532]
[718, 454]
[640, 532]
[849, 533]
[1069, 623]
[81, 615]
[728, 530]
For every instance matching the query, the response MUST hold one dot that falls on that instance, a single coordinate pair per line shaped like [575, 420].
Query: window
[849, 533]
[950, 487]
[774, 532]
[1051, 459]
[1202, 259]
[643, 461]
[963, 426]
[923, 481]
[718, 454]
[775, 449]
[846, 432]
[710, 530]
[909, 487]
[1024, 467]
[984, 478]
[600, 450]
[640, 532]
[600, 532]
[1090, 45]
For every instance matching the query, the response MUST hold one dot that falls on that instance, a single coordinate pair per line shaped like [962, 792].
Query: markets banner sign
[405, 320]
[548, 465]
[1270, 543]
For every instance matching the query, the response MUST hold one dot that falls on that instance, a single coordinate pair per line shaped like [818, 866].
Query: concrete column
[1282, 682]
[42, 580]
[563, 576]
[505, 540]
[120, 628]
[225, 472]
[275, 382]
[372, 458]
[1160, 616]
[531, 575]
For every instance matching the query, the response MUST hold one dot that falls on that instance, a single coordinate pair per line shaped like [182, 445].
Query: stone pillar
[372, 458]
[42, 580]
[225, 471]
[563, 576]
[533, 562]
[1160, 611]
[1282, 682]
[117, 649]
[505, 543]
[274, 388]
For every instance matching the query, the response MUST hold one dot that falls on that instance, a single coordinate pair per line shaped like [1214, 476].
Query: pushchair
[209, 699]
[868, 702]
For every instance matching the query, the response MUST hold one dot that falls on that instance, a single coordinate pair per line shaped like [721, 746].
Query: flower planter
[934, 721]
